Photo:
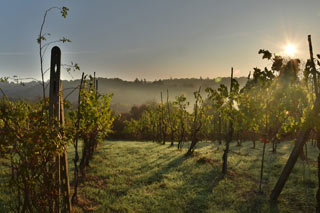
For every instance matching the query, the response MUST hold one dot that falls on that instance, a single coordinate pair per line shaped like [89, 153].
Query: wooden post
[230, 133]
[56, 112]
[97, 84]
[54, 106]
[170, 121]
[94, 80]
[313, 67]
[163, 129]
[65, 186]
[316, 90]
[264, 148]
[76, 158]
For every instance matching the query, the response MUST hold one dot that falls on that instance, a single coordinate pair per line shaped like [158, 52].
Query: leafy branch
[42, 37]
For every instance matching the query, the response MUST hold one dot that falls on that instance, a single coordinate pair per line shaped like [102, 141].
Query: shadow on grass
[259, 203]
[197, 188]
[204, 183]
[158, 175]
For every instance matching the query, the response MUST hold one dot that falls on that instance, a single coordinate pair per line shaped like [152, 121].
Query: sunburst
[290, 50]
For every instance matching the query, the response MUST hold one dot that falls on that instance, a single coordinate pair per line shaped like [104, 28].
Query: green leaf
[266, 54]
[64, 12]
[63, 40]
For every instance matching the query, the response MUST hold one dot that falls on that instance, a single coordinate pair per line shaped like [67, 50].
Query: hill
[126, 93]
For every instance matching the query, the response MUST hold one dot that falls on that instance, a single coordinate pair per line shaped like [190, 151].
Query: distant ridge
[126, 93]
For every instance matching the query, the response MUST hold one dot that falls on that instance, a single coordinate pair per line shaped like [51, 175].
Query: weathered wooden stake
[94, 79]
[163, 126]
[230, 133]
[76, 159]
[56, 112]
[97, 84]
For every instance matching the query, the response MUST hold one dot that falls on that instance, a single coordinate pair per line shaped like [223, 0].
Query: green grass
[148, 177]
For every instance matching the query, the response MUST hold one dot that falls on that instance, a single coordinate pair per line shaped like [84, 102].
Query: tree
[197, 121]
[234, 89]
[163, 121]
[96, 120]
[182, 119]
[172, 119]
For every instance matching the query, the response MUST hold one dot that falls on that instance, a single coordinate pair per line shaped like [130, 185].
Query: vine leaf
[266, 54]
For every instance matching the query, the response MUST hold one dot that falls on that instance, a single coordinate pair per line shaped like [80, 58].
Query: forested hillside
[126, 93]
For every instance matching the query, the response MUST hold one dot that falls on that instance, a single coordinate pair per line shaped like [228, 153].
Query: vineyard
[251, 148]
[277, 105]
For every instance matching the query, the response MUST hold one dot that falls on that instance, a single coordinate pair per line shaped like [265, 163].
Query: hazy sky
[155, 39]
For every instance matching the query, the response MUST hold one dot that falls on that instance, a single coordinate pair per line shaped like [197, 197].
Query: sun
[290, 50]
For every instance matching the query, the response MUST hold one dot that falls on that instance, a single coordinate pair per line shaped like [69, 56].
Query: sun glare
[290, 50]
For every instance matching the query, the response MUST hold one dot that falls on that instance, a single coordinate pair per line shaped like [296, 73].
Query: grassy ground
[148, 177]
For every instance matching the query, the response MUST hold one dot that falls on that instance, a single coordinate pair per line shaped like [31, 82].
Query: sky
[159, 39]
